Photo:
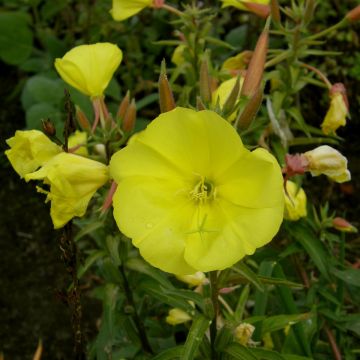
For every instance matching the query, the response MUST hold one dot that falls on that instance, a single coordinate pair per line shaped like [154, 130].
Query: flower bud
[255, 70]
[123, 9]
[205, 83]
[250, 110]
[177, 316]
[338, 111]
[166, 96]
[275, 10]
[82, 119]
[48, 127]
[328, 161]
[354, 14]
[260, 10]
[123, 106]
[243, 333]
[343, 225]
[295, 202]
[128, 123]
[196, 279]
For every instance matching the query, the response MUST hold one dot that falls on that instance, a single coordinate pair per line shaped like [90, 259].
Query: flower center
[203, 190]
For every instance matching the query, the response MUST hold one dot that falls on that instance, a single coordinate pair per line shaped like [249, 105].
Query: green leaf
[195, 336]
[297, 116]
[266, 354]
[248, 274]
[350, 276]
[87, 229]
[277, 322]
[240, 307]
[147, 100]
[170, 354]
[42, 111]
[295, 357]
[91, 259]
[312, 244]
[240, 352]
[16, 38]
[141, 266]
[187, 295]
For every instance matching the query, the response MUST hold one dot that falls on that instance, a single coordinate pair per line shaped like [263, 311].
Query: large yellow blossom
[73, 180]
[30, 149]
[336, 115]
[238, 3]
[123, 9]
[295, 202]
[89, 68]
[192, 197]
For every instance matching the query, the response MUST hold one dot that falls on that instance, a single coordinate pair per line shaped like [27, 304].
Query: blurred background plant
[294, 299]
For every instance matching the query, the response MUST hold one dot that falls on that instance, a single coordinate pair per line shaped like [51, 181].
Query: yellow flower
[336, 115]
[123, 9]
[89, 68]
[177, 316]
[30, 149]
[238, 3]
[73, 180]
[328, 161]
[243, 333]
[77, 143]
[295, 202]
[178, 55]
[237, 62]
[192, 197]
[222, 93]
[196, 279]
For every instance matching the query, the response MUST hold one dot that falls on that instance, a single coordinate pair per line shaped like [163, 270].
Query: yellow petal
[177, 316]
[336, 115]
[123, 9]
[295, 202]
[238, 5]
[77, 142]
[73, 181]
[89, 68]
[29, 150]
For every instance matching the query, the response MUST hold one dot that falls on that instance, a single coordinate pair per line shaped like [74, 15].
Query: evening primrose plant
[195, 234]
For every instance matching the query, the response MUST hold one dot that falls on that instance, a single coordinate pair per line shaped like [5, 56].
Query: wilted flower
[77, 143]
[177, 316]
[89, 68]
[73, 180]
[243, 333]
[30, 149]
[295, 202]
[196, 279]
[240, 3]
[328, 161]
[192, 197]
[338, 111]
[123, 9]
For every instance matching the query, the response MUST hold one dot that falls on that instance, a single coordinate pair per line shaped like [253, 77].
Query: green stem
[139, 324]
[215, 302]
[328, 30]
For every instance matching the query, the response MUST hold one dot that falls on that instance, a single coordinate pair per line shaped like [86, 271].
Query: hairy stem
[215, 302]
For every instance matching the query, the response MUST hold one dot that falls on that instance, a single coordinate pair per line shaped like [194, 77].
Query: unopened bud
[275, 11]
[82, 119]
[123, 106]
[343, 225]
[250, 110]
[328, 161]
[158, 3]
[199, 104]
[166, 96]
[196, 279]
[354, 14]
[177, 316]
[243, 333]
[232, 98]
[48, 127]
[205, 82]
[128, 123]
[260, 10]
[295, 202]
[255, 70]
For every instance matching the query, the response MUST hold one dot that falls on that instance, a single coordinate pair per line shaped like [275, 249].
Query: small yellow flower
[192, 197]
[89, 68]
[123, 9]
[238, 3]
[73, 181]
[30, 149]
[336, 115]
[77, 143]
[237, 62]
[196, 279]
[243, 333]
[178, 55]
[177, 316]
[328, 161]
[295, 202]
